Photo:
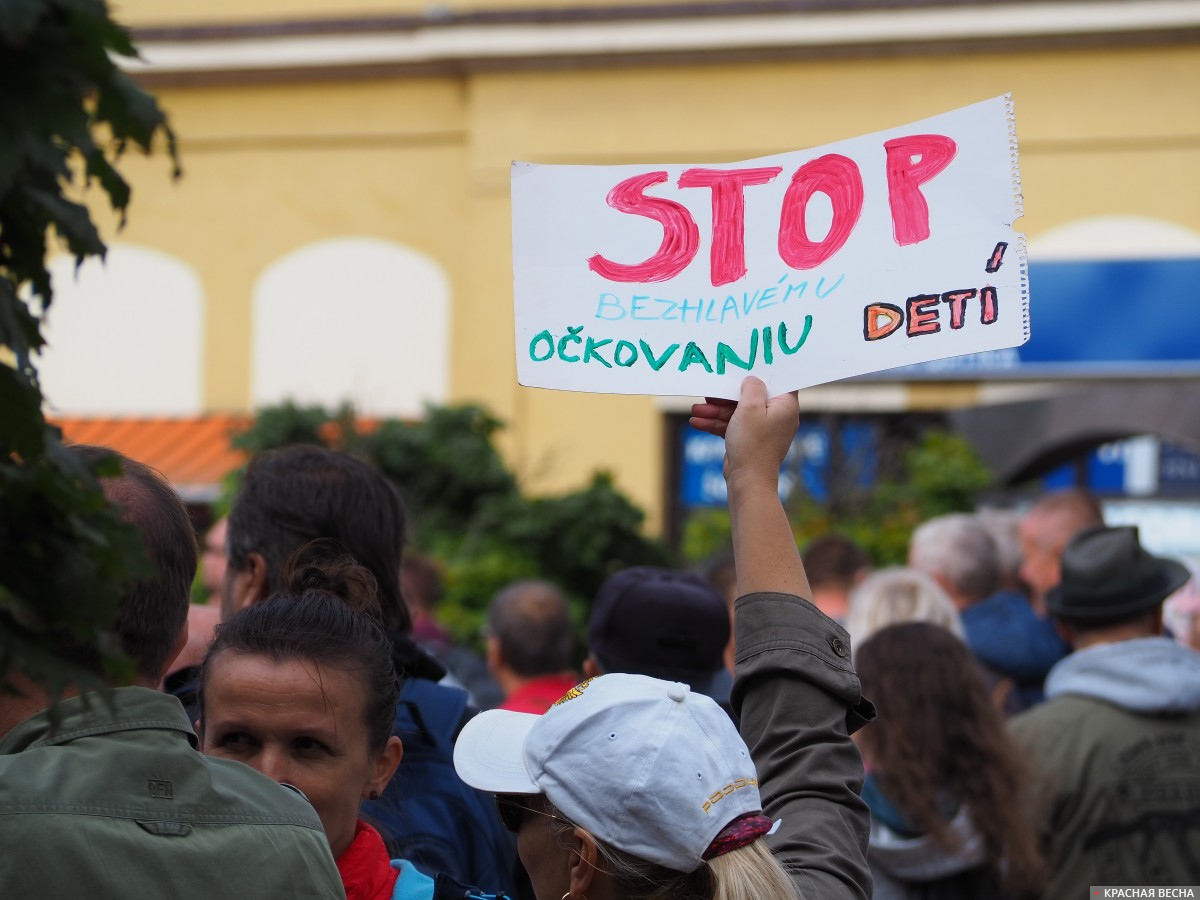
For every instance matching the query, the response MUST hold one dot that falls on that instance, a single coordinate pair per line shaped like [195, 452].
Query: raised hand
[758, 430]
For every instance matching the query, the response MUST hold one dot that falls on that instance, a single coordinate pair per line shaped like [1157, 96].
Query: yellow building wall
[425, 161]
[177, 12]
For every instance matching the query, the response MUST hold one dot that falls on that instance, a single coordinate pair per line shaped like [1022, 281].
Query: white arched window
[1115, 237]
[124, 336]
[355, 319]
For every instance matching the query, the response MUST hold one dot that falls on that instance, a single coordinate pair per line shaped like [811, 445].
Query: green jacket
[117, 803]
[1117, 748]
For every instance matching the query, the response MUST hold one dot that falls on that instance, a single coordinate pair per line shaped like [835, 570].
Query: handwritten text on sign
[876, 252]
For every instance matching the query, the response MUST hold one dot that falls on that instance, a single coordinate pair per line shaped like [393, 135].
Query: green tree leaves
[67, 112]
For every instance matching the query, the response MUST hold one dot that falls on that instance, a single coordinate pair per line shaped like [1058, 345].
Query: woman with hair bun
[631, 788]
[303, 689]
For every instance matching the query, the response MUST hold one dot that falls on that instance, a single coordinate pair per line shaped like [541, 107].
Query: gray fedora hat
[1107, 574]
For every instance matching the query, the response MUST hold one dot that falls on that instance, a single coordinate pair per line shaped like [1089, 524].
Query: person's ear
[944, 582]
[181, 640]
[492, 653]
[585, 871]
[384, 767]
[591, 668]
[1064, 632]
[245, 586]
[257, 586]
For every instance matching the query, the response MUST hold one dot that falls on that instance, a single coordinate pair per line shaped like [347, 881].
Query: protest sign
[800, 268]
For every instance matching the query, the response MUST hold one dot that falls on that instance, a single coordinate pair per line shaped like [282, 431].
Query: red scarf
[366, 871]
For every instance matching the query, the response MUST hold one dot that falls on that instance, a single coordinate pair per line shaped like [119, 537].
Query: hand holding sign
[898, 235]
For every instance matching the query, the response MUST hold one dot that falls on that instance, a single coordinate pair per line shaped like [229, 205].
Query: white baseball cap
[647, 766]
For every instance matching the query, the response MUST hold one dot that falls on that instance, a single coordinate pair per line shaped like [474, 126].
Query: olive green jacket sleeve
[113, 802]
[798, 700]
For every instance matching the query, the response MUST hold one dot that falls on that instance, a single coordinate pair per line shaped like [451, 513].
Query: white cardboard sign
[800, 268]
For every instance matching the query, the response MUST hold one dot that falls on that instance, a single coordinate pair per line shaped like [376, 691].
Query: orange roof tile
[194, 454]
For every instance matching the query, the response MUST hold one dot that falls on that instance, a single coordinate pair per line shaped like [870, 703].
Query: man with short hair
[294, 495]
[1117, 741]
[672, 625]
[529, 645]
[1044, 532]
[107, 796]
[1001, 628]
[836, 565]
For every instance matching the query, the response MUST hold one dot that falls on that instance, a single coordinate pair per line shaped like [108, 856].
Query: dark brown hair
[834, 560]
[152, 612]
[938, 738]
[327, 614]
[293, 495]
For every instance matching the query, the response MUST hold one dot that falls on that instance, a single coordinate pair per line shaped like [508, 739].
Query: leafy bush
[446, 466]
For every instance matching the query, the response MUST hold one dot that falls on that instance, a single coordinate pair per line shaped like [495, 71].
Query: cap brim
[490, 752]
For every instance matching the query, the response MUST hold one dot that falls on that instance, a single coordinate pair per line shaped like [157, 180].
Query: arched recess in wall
[356, 319]
[124, 336]
[1115, 237]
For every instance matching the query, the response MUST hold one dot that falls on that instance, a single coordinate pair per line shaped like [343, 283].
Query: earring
[565, 896]
[374, 795]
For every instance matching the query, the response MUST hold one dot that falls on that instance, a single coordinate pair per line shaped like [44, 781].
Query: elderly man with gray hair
[1002, 630]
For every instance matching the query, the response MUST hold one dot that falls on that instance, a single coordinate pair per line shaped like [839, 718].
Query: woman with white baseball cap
[632, 788]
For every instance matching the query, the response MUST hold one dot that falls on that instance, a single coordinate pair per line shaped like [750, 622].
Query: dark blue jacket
[1008, 637]
[426, 814]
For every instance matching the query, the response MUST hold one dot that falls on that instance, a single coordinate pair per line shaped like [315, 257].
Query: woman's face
[557, 862]
[299, 724]
[542, 855]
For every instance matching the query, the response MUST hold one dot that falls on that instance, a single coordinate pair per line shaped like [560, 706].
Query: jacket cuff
[778, 633]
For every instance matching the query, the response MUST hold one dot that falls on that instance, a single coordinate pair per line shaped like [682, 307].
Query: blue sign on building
[808, 463]
[1137, 467]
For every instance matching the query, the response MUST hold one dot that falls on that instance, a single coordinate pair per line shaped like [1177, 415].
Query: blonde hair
[751, 872]
[895, 595]
[748, 873]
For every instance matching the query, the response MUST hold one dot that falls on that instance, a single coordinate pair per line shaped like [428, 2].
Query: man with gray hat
[1118, 740]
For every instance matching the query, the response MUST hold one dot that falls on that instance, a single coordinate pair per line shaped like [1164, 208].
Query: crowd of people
[1006, 716]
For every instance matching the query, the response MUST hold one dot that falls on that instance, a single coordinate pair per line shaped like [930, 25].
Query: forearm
[764, 548]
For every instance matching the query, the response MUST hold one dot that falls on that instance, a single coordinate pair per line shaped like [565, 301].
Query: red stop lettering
[728, 252]
[681, 237]
[838, 178]
[910, 213]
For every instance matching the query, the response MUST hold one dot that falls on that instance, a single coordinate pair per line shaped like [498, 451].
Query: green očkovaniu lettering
[725, 354]
[543, 348]
[657, 363]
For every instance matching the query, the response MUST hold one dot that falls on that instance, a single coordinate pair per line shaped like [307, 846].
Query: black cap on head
[1107, 574]
[665, 624]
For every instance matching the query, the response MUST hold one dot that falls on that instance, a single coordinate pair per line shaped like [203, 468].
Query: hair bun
[324, 565]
